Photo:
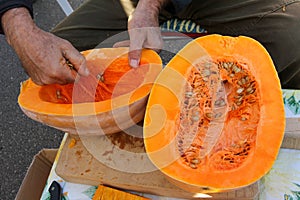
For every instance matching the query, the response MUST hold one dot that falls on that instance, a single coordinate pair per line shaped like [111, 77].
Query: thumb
[134, 57]
[137, 38]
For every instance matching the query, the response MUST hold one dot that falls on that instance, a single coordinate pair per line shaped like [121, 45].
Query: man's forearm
[6, 5]
[16, 21]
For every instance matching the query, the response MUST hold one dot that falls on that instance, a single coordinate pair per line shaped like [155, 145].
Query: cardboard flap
[36, 176]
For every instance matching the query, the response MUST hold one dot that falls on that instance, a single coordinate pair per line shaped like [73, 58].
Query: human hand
[144, 31]
[43, 55]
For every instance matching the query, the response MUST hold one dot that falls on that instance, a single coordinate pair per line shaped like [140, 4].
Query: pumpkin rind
[163, 117]
[103, 117]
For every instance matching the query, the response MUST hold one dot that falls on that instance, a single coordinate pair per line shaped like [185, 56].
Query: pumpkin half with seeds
[215, 117]
[112, 98]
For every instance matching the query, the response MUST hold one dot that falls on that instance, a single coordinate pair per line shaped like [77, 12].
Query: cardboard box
[37, 175]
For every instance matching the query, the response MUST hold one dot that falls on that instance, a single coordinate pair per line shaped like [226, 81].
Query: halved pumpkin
[215, 117]
[112, 98]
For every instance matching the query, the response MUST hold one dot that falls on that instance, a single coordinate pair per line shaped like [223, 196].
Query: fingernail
[134, 63]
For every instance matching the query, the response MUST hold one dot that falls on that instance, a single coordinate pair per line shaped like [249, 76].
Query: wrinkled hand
[43, 55]
[144, 31]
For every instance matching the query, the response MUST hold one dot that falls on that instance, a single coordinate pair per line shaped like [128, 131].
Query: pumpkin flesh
[105, 192]
[223, 117]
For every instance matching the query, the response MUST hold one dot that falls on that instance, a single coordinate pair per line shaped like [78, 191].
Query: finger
[137, 39]
[59, 72]
[134, 58]
[133, 55]
[125, 43]
[76, 60]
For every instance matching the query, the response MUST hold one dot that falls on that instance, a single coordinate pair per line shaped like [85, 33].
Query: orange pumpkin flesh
[105, 192]
[110, 99]
[215, 118]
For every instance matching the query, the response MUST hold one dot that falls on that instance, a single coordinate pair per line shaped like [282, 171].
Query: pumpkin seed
[225, 65]
[189, 94]
[58, 94]
[195, 118]
[233, 107]
[209, 115]
[193, 166]
[100, 77]
[241, 98]
[244, 81]
[236, 69]
[217, 102]
[249, 89]
[220, 103]
[239, 103]
[239, 90]
[218, 115]
[206, 72]
[207, 64]
[231, 75]
[70, 65]
[243, 118]
[223, 103]
[195, 161]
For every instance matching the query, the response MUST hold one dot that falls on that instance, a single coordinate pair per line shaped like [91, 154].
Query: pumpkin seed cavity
[202, 108]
